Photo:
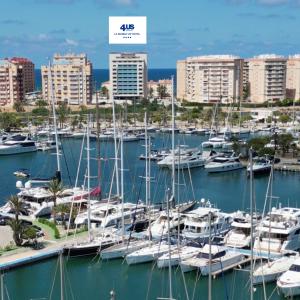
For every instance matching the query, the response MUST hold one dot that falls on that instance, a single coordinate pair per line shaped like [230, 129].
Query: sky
[176, 28]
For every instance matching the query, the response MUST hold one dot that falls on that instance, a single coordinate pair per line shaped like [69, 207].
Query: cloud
[270, 16]
[12, 22]
[116, 3]
[66, 2]
[71, 42]
[266, 2]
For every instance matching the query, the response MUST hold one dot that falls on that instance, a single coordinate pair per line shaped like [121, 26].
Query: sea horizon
[102, 75]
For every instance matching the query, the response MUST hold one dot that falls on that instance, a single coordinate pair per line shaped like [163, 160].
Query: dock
[8, 262]
[231, 267]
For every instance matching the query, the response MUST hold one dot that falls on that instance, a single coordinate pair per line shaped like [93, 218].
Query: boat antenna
[58, 172]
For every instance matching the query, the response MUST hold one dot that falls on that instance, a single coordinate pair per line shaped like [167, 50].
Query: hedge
[51, 225]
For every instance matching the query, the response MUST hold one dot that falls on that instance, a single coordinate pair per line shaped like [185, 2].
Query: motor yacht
[279, 231]
[289, 282]
[223, 164]
[17, 144]
[176, 256]
[214, 142]
[270, 271]
[260, 166]
[239, 235]
[196, 224]
[159, 228]
[220, 259]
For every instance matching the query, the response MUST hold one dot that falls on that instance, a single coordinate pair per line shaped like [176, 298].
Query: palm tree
[17, 228]
[16, 205]
[55, 188]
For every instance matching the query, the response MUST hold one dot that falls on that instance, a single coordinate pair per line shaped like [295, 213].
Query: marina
[209, 186]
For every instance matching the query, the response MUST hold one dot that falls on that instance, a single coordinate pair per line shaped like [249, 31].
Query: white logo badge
[128, 30]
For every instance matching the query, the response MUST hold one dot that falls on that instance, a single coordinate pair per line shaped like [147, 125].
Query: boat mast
[209, 258]
[122, 183]
[115, 144]
[146, 157]
[61, 276]
[2, 286]
[251, 224]
[173, 141]
[58, 172]
[88, 175]
[98, 139]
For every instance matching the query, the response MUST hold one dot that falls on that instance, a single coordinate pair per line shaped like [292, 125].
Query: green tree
[63, 111]
[16, 205]
[41, 103]
[151, 91]
[63, 210]
[17, 229]
[18, 106]
[55, 188]
[284, 142]
[284, 118]
[74, 122]
[105, 92]
[8, 121]
[162, 91]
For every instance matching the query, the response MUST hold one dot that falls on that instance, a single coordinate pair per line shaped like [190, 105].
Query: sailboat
[130, 246]
[105, 238]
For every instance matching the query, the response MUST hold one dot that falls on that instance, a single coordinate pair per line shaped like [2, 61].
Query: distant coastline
[102, 75]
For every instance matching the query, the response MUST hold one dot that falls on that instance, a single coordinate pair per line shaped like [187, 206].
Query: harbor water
[91, 278]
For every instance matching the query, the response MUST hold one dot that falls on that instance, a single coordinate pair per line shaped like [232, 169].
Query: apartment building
[28, 72]
[153, 88]
[128, 74]
[11, 83]
[266, 78]
[210, 79]
[72, 81]
[293, 77]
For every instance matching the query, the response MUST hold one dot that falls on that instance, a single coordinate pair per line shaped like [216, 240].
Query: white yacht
[270, 271]
[177, 255]
[279, 231]
[239, 235]
[223, 164]
[104, 215]
[148, 254]
[179, 155]
[159, 228]
[289, 282]
[196, 159]
[102, 240]
[214, 142]
[124, 248]
[46, 145]
[260, 166]
[39, 200]
[196, 224]
[17, 144]
[220, 259]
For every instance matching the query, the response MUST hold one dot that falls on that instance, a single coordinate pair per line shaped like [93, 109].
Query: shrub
[51, 225]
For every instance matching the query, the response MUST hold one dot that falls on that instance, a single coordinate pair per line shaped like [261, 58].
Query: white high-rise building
[71, 79]
[267, 78]
[128, 75]
[208, 79]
